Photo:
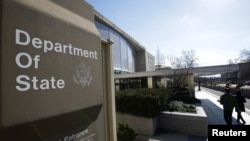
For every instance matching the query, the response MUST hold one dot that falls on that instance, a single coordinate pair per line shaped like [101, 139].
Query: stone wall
[180, 122]
[188, 123]
[141, 125]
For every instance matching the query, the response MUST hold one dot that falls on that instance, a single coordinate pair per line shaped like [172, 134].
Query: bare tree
[160, 58]
[182, 66]
[245, 54]
[233, 61]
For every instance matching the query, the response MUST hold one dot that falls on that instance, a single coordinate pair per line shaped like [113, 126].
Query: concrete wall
[140, 64]
[150, 62]
[141, 125]
[188, 123]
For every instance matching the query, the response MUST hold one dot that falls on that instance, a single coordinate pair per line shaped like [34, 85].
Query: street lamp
[199, 83]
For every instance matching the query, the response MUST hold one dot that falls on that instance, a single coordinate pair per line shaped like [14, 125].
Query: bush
[182, 94]
[181, 107]
[142, 102]
[125, 133]
[186, 99]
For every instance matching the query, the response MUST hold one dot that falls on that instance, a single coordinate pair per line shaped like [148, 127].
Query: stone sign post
[51, 72]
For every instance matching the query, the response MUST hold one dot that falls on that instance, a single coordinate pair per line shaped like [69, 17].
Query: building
[129, 55]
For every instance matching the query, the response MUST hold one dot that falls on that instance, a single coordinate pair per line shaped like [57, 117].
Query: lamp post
[199, 83]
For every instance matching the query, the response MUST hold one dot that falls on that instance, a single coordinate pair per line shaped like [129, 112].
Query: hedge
[142, 102]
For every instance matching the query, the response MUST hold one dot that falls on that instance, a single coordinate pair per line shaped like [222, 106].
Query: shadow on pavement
[214, 113]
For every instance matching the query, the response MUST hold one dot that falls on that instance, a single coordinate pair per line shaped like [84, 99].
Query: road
[219, 93]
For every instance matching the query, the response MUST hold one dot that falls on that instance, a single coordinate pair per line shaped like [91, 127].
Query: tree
[245, 54]
[182, 66]
[232, 61]
[159, 58]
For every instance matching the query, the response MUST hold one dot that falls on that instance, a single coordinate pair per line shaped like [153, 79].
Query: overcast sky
[217, 30]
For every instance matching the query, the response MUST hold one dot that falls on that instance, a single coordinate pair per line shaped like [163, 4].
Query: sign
[51, 71]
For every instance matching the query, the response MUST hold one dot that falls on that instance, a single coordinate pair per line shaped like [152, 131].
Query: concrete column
[190, 80]
[163, 82]
[117, 84]
[150, 82]
[109, 101]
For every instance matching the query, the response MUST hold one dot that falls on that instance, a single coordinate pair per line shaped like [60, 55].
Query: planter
[188, 123]
[141, 125]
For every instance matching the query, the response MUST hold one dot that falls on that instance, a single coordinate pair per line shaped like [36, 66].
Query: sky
[217, 30]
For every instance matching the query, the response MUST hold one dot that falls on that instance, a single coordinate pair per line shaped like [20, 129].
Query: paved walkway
[214, 112]
[214, 109]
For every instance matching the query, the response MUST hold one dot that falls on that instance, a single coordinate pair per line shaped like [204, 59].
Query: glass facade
[124, 53]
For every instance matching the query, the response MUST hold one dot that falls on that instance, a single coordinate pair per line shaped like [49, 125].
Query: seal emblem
[82, 76]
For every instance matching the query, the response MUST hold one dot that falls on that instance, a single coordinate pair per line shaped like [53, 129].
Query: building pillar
[109, 97]
[163, 83]
[117, 84]
[191, 85]
[150, 82]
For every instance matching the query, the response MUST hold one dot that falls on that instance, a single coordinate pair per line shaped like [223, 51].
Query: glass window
[103, 30]
[116, 49]
[124, 55]
[131, 61]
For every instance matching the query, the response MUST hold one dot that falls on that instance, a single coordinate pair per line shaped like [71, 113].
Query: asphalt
[214, 112]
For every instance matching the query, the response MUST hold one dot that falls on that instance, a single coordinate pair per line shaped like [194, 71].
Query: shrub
[186, 99]
[182, 94]
[142, 102]
[125, 133]
[181, 107]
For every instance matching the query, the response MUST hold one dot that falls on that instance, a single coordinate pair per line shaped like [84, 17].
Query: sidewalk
[214, 113]
[214, 109]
